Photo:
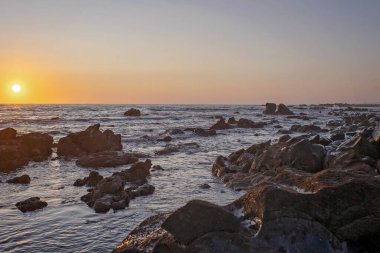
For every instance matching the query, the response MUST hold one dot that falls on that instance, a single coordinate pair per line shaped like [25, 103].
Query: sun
[16, 88]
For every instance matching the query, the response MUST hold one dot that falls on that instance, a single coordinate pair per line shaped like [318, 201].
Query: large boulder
[90, 141]
[31, 204]
[106, 159]
[197, 218]
[137, 173]
[283, 110]
[133, 112]
[18, 151]
[270, 109]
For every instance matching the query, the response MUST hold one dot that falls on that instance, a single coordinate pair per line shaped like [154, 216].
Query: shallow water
[67, 224]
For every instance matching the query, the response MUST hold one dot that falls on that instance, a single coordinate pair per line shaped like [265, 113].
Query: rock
[90, 141]
[220, 125]
[110, 185]
[205, 186]
[106, 159]
[92, 180]
[305, 128]
[283, 110]
[137, 173]
[270, 109]
[8, 134]
[284, 131]
[204, 132]
[157, 168]
[166, 139]
[133, 112]
[197, 218]
[232, 120]
[142, 190]
[16, 152]
[24, 179]
[378, 166]
[284, 138]
[376, 134]
[31, 204]
[361, 146]
[246, 123]
[337, 136]
[103, 204]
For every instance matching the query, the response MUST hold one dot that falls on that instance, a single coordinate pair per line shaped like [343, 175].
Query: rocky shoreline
[304, 193]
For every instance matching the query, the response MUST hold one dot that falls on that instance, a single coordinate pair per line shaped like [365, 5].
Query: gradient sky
[198, 51]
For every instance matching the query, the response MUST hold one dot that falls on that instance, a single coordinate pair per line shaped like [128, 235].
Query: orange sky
[190, 52]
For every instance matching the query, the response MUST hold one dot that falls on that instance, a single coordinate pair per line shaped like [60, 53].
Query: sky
[190, 52]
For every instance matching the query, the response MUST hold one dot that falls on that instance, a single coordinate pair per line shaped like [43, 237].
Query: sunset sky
[220, 52]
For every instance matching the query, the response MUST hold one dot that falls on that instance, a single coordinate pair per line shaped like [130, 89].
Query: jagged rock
[90, 141]
[24, 179]
[92, 180]
[232, 120]
[376, 134]
[338, 137]
[205, 186]
[157, 168]
[106, 159]
[361, 146]
[142, 190]
[31, 204]
[220, 125]
[283, 110]
[133, 112]
[18, 151]
[137, 173]
[270, 109]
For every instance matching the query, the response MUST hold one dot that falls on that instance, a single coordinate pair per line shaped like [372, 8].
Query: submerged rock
[133, 112]
[31, 204]
[24, 179]
[90, 141]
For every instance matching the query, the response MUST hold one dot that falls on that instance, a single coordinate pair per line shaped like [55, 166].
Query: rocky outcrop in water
[270, 109]
[133, 112]
[90, 141]
[221, 125]
[273, 109]
[18, 151]
[24, 179]
[106, 159]
[109, 193]
[31, 204]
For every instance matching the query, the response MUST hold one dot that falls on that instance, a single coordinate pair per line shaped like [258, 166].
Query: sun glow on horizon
[16, 88]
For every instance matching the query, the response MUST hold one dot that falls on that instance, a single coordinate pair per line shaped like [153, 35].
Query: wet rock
[157, 168]
[197, 218]
[220, 125]
[284, 131]
[270, 109]
[16, 152]
[137, 173]
[204, 132]
[111, 185]
[166, 139]
[205, 186]
[92, 180]
[106, 159]
[283, 110]
[376, 134]
[90, 141]
[142, 190]
[24, 179]
[337, 136]
[361, 146]
[246, 123]
[232, 120]
[31, 204]
[133, 113]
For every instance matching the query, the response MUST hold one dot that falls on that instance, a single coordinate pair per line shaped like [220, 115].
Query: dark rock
[283, 110]
[220, 125]
[16, 152]
[270, 109]
[197, 218]
[142, 190]
[106, 159]
[338, 136]
[166, 139]
[133, 112]
[137, 173]
[204, 132]
[205, 186]
[361, 146]
[90, 141]
[31, 204]
[92, 180]
[232, 120]
[8, 134]
[246, 123]
[157, 167]
[24, 179]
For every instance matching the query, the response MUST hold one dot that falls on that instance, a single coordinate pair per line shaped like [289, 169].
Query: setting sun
[16, 88]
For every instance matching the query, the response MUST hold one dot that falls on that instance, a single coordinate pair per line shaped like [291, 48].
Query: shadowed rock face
[90, 141]
[31, 204]
[18, 151]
